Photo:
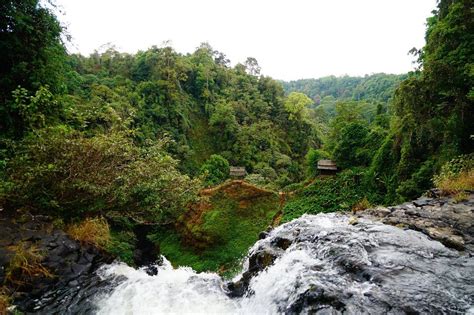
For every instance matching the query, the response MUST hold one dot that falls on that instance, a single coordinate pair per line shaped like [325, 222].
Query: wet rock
[440, 218]
[334, 267]
[262, 235]
[65, 259]
[258, 261]
[281, 242]
[315, 301]
[146, 252]
[423, 201]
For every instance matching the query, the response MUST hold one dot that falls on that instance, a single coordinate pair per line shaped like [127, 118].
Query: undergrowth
[456, 176]
[5, 301]
[361, 205]
[93, 231]
[223, 237]
[25, 265]
[122, 244]
[330, 194]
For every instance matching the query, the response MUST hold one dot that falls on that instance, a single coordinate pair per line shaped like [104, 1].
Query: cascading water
[315, 264]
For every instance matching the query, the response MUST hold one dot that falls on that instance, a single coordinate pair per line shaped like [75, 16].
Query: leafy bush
[215, 170]
[61, 172]
[419, 182]
[456, 175]
[312, 158]
[361, 205]
[122, 245]
[338, 193]
[93, 231]
[351, 149]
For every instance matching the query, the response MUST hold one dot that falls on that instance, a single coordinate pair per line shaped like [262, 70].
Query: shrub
[93, 231]
[215, 170]
[351, 148]
[419, 182]
[62, 172]
[461, 196]
[337, 193]
[457, 175]
[361, 205]
[25, 265]
[122, 245]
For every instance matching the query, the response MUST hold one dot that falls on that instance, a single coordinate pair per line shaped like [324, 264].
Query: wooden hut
[327, 167]
[237, 172]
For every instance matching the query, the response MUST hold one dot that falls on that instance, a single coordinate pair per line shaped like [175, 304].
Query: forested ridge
[133, 138]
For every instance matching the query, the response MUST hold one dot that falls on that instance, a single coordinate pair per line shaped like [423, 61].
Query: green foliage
[122, 244]
[32, 56]
[82, 135]
[433, 110]
[295, 105]
[227, 230]
[312, 158]
[60, 171]
[37, 111]
[419, 181]
[376, 87]
[329, 194]
[350, 149]
[215, 170]
[198, 101]
[454, 167]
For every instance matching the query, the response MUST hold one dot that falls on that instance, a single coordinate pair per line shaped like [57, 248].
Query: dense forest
[134, 138]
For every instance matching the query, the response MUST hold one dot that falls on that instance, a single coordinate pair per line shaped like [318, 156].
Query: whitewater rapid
[328, 266]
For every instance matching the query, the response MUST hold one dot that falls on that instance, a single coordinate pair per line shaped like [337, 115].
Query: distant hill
[375, 87]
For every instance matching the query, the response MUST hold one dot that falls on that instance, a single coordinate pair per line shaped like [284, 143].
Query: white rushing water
[171, 291]
[329, 266]
[183, 291]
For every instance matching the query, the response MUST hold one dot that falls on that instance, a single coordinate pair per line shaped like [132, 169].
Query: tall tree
[32, 55]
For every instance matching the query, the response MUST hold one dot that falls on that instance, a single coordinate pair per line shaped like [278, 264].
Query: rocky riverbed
[441, 218]
[416, 257]
[375, 261]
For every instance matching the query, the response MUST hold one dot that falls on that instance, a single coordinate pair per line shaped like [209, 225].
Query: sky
[290, 39]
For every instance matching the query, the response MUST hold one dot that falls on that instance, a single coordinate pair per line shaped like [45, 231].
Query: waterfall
[315, 264]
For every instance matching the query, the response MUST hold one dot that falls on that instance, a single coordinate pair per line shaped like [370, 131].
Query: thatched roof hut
[237, 172]
[327, 167]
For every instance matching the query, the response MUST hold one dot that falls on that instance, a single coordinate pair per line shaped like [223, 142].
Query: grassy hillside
[215, 233]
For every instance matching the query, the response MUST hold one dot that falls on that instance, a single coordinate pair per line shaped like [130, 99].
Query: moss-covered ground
[217, 234]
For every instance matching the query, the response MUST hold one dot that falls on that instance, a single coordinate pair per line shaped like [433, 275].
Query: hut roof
[327, 165]
[237, 171]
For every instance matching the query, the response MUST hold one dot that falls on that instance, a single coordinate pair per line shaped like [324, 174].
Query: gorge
[327, 263]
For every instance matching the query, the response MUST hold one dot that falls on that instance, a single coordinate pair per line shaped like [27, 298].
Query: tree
[350, 149]
[32, 55]
[296, 104]
[58, 171]
[252, 67]
[433, 107]
[215, 170]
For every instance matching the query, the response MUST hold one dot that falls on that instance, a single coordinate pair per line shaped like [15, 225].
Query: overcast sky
[290, 39]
